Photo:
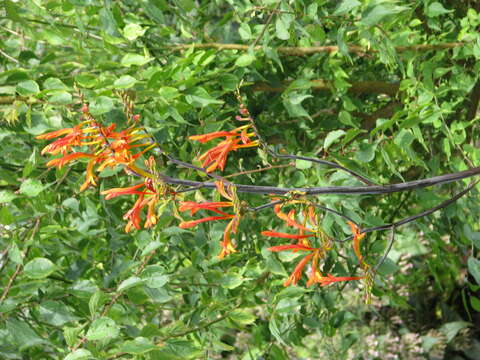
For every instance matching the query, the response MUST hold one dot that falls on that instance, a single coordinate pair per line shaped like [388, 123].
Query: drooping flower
[216, 157]
[357, 236]
[102, 144]
[73, 137]
[232, 226]
[313, 256]
[148, 196]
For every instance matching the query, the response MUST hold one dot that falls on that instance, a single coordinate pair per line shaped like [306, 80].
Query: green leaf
[108, 21]
[71, 334]
[55, 313]
[168, 93]
[96, 300]
[103, 328]
[244, 60]
[22, 334]
[86, 80]
[231, 280]
[6, 196]
[39, 268]
[134, 59]
[178, 350]
[379, 12]
[129, 283]
[79, 354]
[200, 98]
[60, 98]
[125, 82]
[242, 316]
[31, 187]
[27, 88]
[436, 9]
[101, 105]
[156, 280]
[245, 31]
[366, 152]
[345, 118]
[346, 6]
[451, 329]
[137, 346]
[303, 164]
[475, 302]
[281, 28]
[474, 268]
[133, 31]
[53, 37]
[54, 84]
[332, 137]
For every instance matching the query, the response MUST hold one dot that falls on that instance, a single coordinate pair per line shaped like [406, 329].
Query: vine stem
[335, 190]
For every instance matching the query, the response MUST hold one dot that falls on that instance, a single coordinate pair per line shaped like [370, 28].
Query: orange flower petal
[285, 235]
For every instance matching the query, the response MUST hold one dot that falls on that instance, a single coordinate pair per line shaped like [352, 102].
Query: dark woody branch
[331, 190]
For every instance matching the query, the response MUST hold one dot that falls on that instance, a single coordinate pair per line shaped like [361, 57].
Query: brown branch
[309, 50]
[331, 190]
[360, 87]
[269, 20]
[258, 170]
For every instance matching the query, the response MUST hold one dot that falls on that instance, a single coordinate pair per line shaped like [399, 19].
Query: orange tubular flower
[232, 226]
[357, 236]
[113, 193]
[290, 218]
[73, 137]
[285, 235]
[217, 156]
[293, 247]
[297, 273]
[148, 197]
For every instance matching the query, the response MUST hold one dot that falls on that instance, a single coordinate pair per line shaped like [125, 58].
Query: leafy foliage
[388, 89]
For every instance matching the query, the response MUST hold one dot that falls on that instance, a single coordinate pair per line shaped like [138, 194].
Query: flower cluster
[231, 195]
[235, 139]
[104, 146]
[303, 244]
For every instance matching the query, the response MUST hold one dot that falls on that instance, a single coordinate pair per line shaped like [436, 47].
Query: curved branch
[417, 216]
[331, 190]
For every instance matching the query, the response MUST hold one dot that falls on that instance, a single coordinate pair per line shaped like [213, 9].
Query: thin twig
[417, 216]
[269, 20]
[11, 58]
[387, 251]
